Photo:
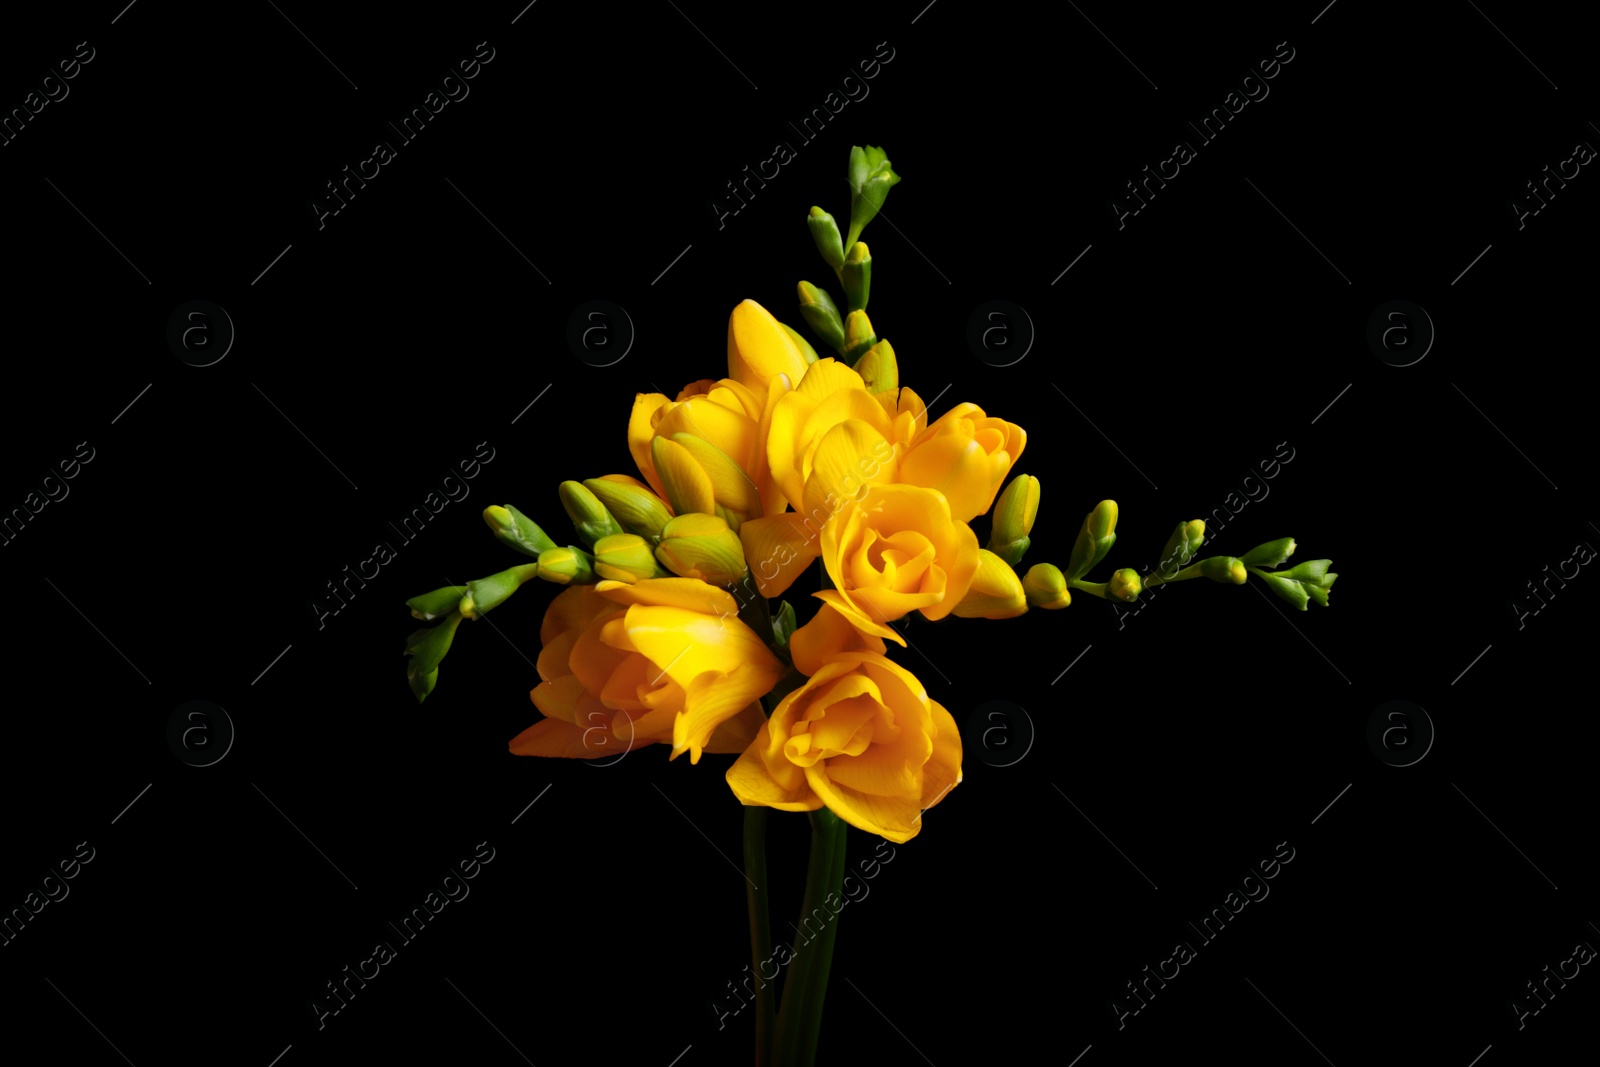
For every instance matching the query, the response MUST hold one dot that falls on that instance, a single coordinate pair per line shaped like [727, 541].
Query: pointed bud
[783, 624]
[1013, 518]
[514, 529]
[486, 594]
[825, 232]
[1224, 569]
[426, 648]
[858, 336]
[625, 557]
[589, 517]
[687, 485]
[440, 602]
[871, 178]
[822, 315]
[1181, 547]
[1308, 580]
[638, 509]
[800, 342]
[1270, 554]
[1046, 587]
[736, 496]
[1125, 585]
[996, 591]
[857, 276]
[702, 546]
[878, 368]
[422, 684]
[1095, 538]
[567, 566]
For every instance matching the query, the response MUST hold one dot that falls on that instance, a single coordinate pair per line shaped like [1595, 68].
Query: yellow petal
[714, 697]
[960, 564]
[691, 594]
[737, 733]
[896, 818]
[641, 428]
[759, 348]
[772, 497]
[826, 635]
[687, 644]
[848, 458]
[758, 783]
[957, 467]
[687, 486]
[728, 428]
[943, 769]
[778, 549]
[826, 377]
[790, 414]
[731, 487]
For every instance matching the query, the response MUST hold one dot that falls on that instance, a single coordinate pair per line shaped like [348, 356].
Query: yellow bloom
[826, 635]
[966, 455]
[760, 349]
[830, 394]
[705, 448]
[896, 550]
[861, 737]
[662, 660]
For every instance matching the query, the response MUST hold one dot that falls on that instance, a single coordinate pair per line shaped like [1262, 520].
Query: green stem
[1096, 588]
[800, 1017]
[755, 872]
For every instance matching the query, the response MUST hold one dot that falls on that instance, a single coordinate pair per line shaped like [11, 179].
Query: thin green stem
[1096, 588]
[755, 871]
[800, 1015]
[823, 948]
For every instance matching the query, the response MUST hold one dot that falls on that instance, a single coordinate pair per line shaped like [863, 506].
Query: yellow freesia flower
[966, 455]
[704, 451]
[861, 737]
[760, 349]
[662, 660]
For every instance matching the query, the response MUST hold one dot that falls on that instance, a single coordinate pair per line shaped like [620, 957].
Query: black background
[1207, 334]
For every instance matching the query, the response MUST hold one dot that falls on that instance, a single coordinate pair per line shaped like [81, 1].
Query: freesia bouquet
[665, 631]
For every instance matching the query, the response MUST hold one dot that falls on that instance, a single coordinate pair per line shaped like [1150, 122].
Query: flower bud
[589, 517]
[1125, 585]
[1224, 569]
[440, 602]
[426, 648]
[857, 276]
[878, 368]
[566, 566]
[996, 591]
[1046, 587]
[1308, 580]
[1095, 538]
[485, 594]
[800, 342]
[858, 336]
[871, 177]
[625, 557]
[822, 315]
[1013, 518]
[638, 509]
[1270, 554]
[825, 231]
[702, 546]
[514, 529]
[1181, 547]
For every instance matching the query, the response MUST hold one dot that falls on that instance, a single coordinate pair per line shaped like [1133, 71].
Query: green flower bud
[422, 684]
[783, 623]
[426, 648]
[567, 566]
[638, 509]
[1181, 547]
[1046, 587]
[1270, 554]
[440, 602]
[1225, 569]
[858, 336]
[485, 594]
[878, 368]
[857, 276]
[1125, 585]
[625, 557]
[589, 517]
[1013, 518]
[1309, 580]
[871, 178]
[514, 529]
[825, 231]
[703, 547]
[1095, 538]
[822, 315]
[805, 346]
[996, 591]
